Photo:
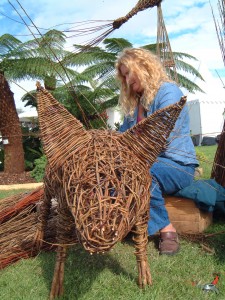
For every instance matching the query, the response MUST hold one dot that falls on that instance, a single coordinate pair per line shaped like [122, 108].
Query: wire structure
[218, 170]
[164, 50]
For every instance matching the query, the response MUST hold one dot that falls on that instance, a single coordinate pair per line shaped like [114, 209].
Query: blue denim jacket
[179, 147]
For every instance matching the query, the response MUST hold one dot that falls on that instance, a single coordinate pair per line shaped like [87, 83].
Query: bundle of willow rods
[112, 25]
[18, 225]
[141, 5]
[13, 205]
[16, 236]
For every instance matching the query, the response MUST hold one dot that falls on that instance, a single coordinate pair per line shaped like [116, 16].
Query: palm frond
[36, 68]
[182, 65]
[116, 45]
[99, 70]
[29, 99]
[8, 43]
[112, 102]
[183, 55]
[150, 47]
[110, 82]
[191, 86]
[91, 56]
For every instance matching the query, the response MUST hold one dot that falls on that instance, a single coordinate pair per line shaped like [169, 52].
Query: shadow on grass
[82, 270]
[212, 241]
[216, 237]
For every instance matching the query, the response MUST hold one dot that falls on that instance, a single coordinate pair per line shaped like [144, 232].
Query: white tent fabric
[28, 116]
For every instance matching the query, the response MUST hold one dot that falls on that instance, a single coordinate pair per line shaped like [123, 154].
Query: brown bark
[10, 130]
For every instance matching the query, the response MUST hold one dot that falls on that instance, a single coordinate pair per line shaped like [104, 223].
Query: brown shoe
[168, 243]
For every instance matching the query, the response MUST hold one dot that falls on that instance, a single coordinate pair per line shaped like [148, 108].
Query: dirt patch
[9, 179]
[18, 181]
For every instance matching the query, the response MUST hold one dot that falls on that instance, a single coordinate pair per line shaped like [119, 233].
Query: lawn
[206, 155]
[112, 276]
[8, 193]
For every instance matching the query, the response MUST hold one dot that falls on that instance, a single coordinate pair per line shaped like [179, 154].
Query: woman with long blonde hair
[145, 88]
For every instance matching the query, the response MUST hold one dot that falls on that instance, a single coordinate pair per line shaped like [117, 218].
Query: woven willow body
[100, 179]
[141, 5]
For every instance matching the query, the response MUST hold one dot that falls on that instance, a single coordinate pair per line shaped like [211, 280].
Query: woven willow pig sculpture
[101, 181]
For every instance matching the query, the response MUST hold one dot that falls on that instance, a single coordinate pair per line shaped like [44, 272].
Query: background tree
[9, 121]
[34, 59]
[95, 88]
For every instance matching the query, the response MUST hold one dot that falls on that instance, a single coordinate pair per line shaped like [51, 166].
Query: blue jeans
[168, 177]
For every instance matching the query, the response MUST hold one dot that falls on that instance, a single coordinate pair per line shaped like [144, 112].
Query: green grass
[206, 156]
[112, 276]
[209, 151]
[8, 193]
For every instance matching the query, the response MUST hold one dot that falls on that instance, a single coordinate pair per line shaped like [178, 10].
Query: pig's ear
[61, 132]
[148, 138]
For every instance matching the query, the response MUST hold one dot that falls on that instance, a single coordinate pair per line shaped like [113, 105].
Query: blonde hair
[149, 70]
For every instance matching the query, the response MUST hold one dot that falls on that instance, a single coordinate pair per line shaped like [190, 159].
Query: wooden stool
[185, 216]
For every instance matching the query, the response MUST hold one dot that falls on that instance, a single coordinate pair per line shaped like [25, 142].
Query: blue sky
[189, 24]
